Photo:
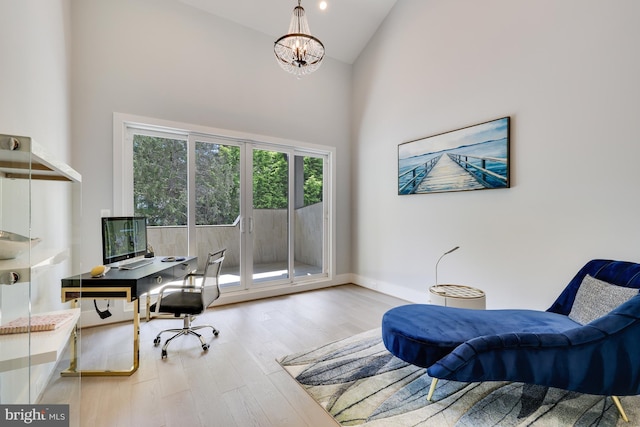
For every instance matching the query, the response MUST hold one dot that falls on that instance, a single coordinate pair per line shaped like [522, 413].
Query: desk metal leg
[73, 364]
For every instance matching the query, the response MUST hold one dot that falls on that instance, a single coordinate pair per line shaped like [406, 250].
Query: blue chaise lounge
[588, 341]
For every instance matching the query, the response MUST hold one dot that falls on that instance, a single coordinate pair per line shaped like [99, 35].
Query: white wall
[34, 88]
[567, 74]
[166, 60]
[34, 77]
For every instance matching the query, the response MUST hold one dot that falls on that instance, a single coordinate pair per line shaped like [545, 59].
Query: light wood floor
[236, 383]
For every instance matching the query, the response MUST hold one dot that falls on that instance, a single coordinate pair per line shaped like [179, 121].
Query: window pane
[270, 180]
[160, 180]
[217, 184]
[217, 194]
[270, 212]
[312, 180]
[308, 216]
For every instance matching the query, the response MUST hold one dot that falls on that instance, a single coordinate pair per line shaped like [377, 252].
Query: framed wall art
[472, 158]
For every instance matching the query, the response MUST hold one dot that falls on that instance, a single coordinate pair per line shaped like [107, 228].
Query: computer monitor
[123, 237]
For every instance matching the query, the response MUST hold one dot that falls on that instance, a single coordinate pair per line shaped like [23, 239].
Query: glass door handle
[243, 226]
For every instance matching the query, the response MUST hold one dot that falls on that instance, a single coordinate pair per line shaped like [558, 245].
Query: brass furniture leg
[616, 400]
[434, 382]
[73, 364]
[147, 313]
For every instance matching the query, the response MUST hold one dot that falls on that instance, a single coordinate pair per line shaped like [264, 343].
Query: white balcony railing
[269, 234]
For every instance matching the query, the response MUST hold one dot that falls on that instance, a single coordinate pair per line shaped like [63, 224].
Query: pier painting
[472, 158]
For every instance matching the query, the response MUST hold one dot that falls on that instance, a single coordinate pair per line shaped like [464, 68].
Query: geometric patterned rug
[359, 383]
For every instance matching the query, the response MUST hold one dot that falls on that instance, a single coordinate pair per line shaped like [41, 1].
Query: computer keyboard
[136, 264]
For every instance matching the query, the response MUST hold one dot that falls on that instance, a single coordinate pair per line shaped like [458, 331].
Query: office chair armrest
[188, 276]
[177, 287]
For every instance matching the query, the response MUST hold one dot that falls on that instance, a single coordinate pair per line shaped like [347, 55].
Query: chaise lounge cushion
[422, 334]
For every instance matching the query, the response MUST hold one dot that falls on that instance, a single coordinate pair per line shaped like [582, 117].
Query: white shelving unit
[46, 346]
[30, 282]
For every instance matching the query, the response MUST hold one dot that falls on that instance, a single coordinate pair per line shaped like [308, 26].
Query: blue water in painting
[496, 148]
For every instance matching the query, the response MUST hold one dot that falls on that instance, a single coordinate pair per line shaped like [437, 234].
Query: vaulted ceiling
[344, 27]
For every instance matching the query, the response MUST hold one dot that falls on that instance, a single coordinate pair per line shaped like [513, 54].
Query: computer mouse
[168, 259]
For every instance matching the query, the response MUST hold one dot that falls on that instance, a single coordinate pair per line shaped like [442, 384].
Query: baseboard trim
[391, 289]
[276, 291]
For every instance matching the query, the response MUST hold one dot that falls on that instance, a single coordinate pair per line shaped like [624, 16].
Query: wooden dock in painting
[453, 172]
[448, 175]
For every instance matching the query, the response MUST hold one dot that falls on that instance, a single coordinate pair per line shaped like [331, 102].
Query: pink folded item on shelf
[38, 323]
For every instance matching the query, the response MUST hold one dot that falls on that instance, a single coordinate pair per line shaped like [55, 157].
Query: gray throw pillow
[596, 298]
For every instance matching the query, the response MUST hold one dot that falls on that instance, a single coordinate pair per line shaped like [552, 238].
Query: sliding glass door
[215, 220]
[270, 231]
[288, 234]
[265, 204]
[160, 189]
[310, 216]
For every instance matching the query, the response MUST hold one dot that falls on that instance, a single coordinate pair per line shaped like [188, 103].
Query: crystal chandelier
[298, 52]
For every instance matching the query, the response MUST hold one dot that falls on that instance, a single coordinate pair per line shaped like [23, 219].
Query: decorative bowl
[12, 244]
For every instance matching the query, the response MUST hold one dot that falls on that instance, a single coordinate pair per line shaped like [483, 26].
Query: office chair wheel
[156, 342]
[205, 347]
[216, 332]
[164, 354]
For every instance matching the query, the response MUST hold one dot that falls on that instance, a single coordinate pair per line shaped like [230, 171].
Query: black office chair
[192, 297]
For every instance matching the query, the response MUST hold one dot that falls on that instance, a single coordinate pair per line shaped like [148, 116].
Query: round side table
[458, 296]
